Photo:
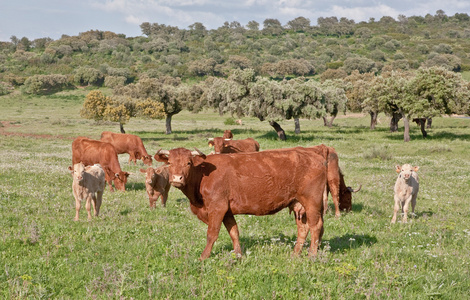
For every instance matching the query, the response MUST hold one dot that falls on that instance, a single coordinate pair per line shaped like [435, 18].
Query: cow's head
[180, 163]
[147, 159]
[345, 194]
[228, 134]
[218, 143]
[406, 171]
[120, 180]
[78, 170]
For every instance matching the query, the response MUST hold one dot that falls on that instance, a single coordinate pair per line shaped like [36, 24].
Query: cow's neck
[192, 190]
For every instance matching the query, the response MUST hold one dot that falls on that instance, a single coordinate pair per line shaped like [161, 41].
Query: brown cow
[157, 184]
[88, 184]
[97, 152]
[222, 145]
[127, 143]
[258, 183]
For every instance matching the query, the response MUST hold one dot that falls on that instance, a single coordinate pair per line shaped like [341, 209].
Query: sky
[53, 18]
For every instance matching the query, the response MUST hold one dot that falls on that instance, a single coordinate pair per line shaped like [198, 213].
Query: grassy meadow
[132, 252]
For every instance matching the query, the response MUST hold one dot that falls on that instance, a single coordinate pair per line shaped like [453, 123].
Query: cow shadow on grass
[336, 244]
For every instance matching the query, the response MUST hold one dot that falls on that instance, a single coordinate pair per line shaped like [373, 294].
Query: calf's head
[120, 180]
[406, 171]
[180, 163]
[147, 159]
[77, 171]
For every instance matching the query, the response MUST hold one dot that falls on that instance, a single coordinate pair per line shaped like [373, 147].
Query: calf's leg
[78, 205]
[396, 207]
[405, 209]
[99, 200]
[88, 206]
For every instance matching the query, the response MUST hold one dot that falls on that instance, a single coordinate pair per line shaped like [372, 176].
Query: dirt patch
[8, 125]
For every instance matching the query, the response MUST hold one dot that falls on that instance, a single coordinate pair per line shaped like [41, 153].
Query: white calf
[406, 190]
[88, 183]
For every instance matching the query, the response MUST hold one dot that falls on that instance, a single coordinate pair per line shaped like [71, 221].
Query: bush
[114, 81]
[5, 88]
[87, 76]
[230, 121]
[45, 84]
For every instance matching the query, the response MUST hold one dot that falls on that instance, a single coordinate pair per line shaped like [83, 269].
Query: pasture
[132, 252]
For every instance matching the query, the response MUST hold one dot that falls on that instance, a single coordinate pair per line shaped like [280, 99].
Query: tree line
[421, 94]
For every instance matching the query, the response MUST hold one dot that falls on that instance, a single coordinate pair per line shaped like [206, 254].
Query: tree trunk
[373, 119]
[396, 116]
[328, 123]
[121, 127]
[280, 132]
[406, 125]
[429, 122]
[297, 125]
[168, 124]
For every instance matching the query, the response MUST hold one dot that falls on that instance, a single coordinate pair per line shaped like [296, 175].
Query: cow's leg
[78, 205]
[325, 201]
[99, 200]
[93, 199]
[405, 209]
[88, 206]
[396, 207]
[215, 222]
[315, 223]
[302, 232]
[107, 178]
[334, 190]
[232, 228]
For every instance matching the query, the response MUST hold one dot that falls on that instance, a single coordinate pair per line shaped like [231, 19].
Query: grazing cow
[228, 134]
[88, 184]
[258, 183]
[157, 184]
[341, 194]
[222, 145]
[127, 143]
[92, 152]
[406, 190]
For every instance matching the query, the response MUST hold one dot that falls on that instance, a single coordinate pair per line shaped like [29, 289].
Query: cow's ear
[198, 159]
[143, 171]
[416, 168]
[70, 168]
[398, 168]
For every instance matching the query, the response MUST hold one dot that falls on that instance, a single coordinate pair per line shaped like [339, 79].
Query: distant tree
[334, 100]
[362, 95]
[88, 76]
[253, 26]
[299, 24]
[272, 27]
[45, 84]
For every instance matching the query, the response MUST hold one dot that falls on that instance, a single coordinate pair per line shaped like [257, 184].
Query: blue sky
[52, 18]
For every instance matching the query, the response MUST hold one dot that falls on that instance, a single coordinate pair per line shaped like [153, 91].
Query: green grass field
[132, 252]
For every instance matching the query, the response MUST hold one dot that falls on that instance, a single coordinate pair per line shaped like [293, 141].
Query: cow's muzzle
[177, 181]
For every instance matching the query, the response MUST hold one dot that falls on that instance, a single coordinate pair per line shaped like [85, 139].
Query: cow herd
[236, 178]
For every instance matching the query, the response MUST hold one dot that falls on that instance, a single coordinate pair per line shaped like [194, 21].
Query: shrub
[45, 84]
[114, 81]
[87, 76]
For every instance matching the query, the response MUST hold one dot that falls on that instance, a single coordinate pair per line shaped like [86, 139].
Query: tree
[272, 27]
[100, 107]
[334, 100]
[162, 91]
[299, 24]
[362, 97]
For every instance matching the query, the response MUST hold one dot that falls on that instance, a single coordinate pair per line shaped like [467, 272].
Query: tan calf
[157, 184]
[88, 184]
[406, 190]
